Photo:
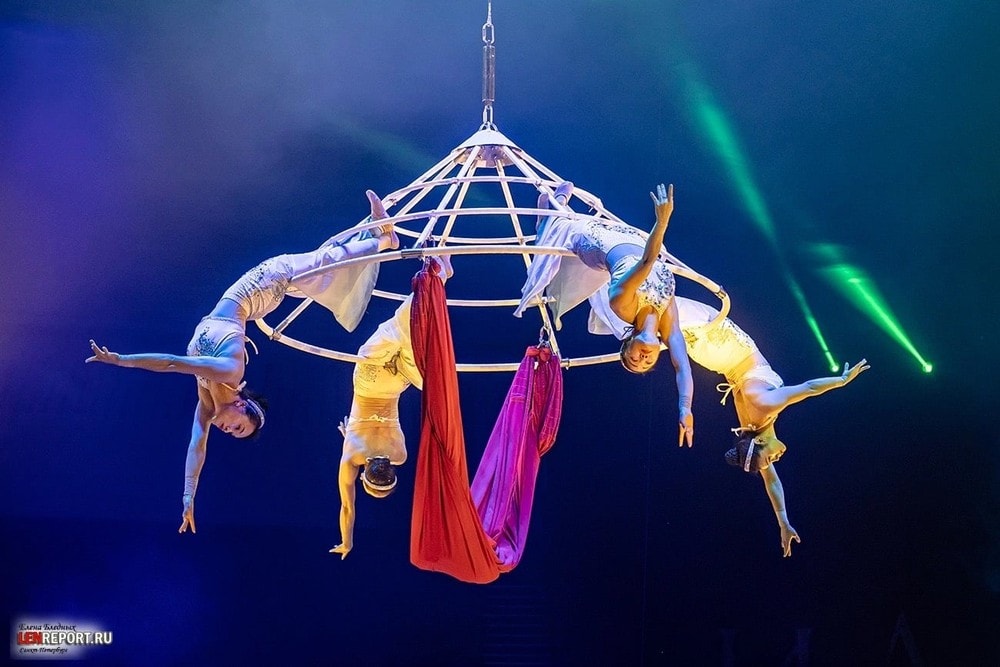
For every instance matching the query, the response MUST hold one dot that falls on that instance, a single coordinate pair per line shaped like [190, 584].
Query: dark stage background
[151, 152]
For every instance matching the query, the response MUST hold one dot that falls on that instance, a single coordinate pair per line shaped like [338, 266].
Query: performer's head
[640, 351]
[244, 417]
[378, 477]
[754, 452]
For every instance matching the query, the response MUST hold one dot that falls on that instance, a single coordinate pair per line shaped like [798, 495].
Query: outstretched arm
[215, 369]
[778, 399]
[663, 202]
[347, 481]
[193, 463]
[682, 369]
[772, 484]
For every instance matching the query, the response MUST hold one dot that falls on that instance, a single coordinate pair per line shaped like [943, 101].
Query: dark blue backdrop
[152, 152]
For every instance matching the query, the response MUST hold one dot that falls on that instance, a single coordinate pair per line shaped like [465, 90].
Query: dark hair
[743, 447]
[379, 476]
[630, 335]
[255, 419]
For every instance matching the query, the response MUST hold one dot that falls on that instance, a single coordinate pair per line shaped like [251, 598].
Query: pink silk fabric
[504, 486]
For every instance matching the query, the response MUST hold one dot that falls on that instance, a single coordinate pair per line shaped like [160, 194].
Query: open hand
[663, 201]
[686, 424]
[187, 517]
[342, 550]
[854, 371]
[787, 535]
[103, 355]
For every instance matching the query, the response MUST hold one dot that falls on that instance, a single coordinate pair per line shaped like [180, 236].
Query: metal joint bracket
[412, 253]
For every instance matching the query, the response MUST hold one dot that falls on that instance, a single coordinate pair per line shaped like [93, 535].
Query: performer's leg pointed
[562, 193]
[388, 239]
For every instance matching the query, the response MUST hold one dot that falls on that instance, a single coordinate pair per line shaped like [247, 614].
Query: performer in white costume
[216, 355]
[640, 286]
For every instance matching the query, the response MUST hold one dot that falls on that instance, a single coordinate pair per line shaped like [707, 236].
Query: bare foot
[562, 193]
[386, 233]
[378, 210]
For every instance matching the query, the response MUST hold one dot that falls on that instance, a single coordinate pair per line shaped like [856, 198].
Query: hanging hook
[489, 69]
[488, 26]
[543, 337]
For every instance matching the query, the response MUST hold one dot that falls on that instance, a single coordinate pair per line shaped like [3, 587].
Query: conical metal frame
[428, 209]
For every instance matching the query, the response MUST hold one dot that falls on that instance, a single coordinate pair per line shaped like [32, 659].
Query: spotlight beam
[713, 123]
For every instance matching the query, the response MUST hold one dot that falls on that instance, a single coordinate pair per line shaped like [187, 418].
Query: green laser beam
[715, 126]
[860, 290]
[811, 321]
[712, 122]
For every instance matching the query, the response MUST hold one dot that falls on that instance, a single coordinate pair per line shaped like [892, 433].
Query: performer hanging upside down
[373, 440]
[641, 288]
[759, 394]
[216, 355]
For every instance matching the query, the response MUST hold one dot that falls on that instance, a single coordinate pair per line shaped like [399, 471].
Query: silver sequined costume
[344, 291]
[568, 281]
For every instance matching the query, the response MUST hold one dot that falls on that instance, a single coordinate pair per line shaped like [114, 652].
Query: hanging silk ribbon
[504, 486]
[474, 534]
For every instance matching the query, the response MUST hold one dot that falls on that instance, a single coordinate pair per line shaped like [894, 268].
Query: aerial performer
[640, 286]
[373, 439]
[216, 355]
[759, 394]
[475, 531]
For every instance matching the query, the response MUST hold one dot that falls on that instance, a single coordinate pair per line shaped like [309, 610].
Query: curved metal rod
[420, 253]
[466, 212]
[277, 335]
[464, 368]
[473, 303]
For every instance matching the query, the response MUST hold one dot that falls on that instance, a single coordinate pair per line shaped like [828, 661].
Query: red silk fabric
[474, 541]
